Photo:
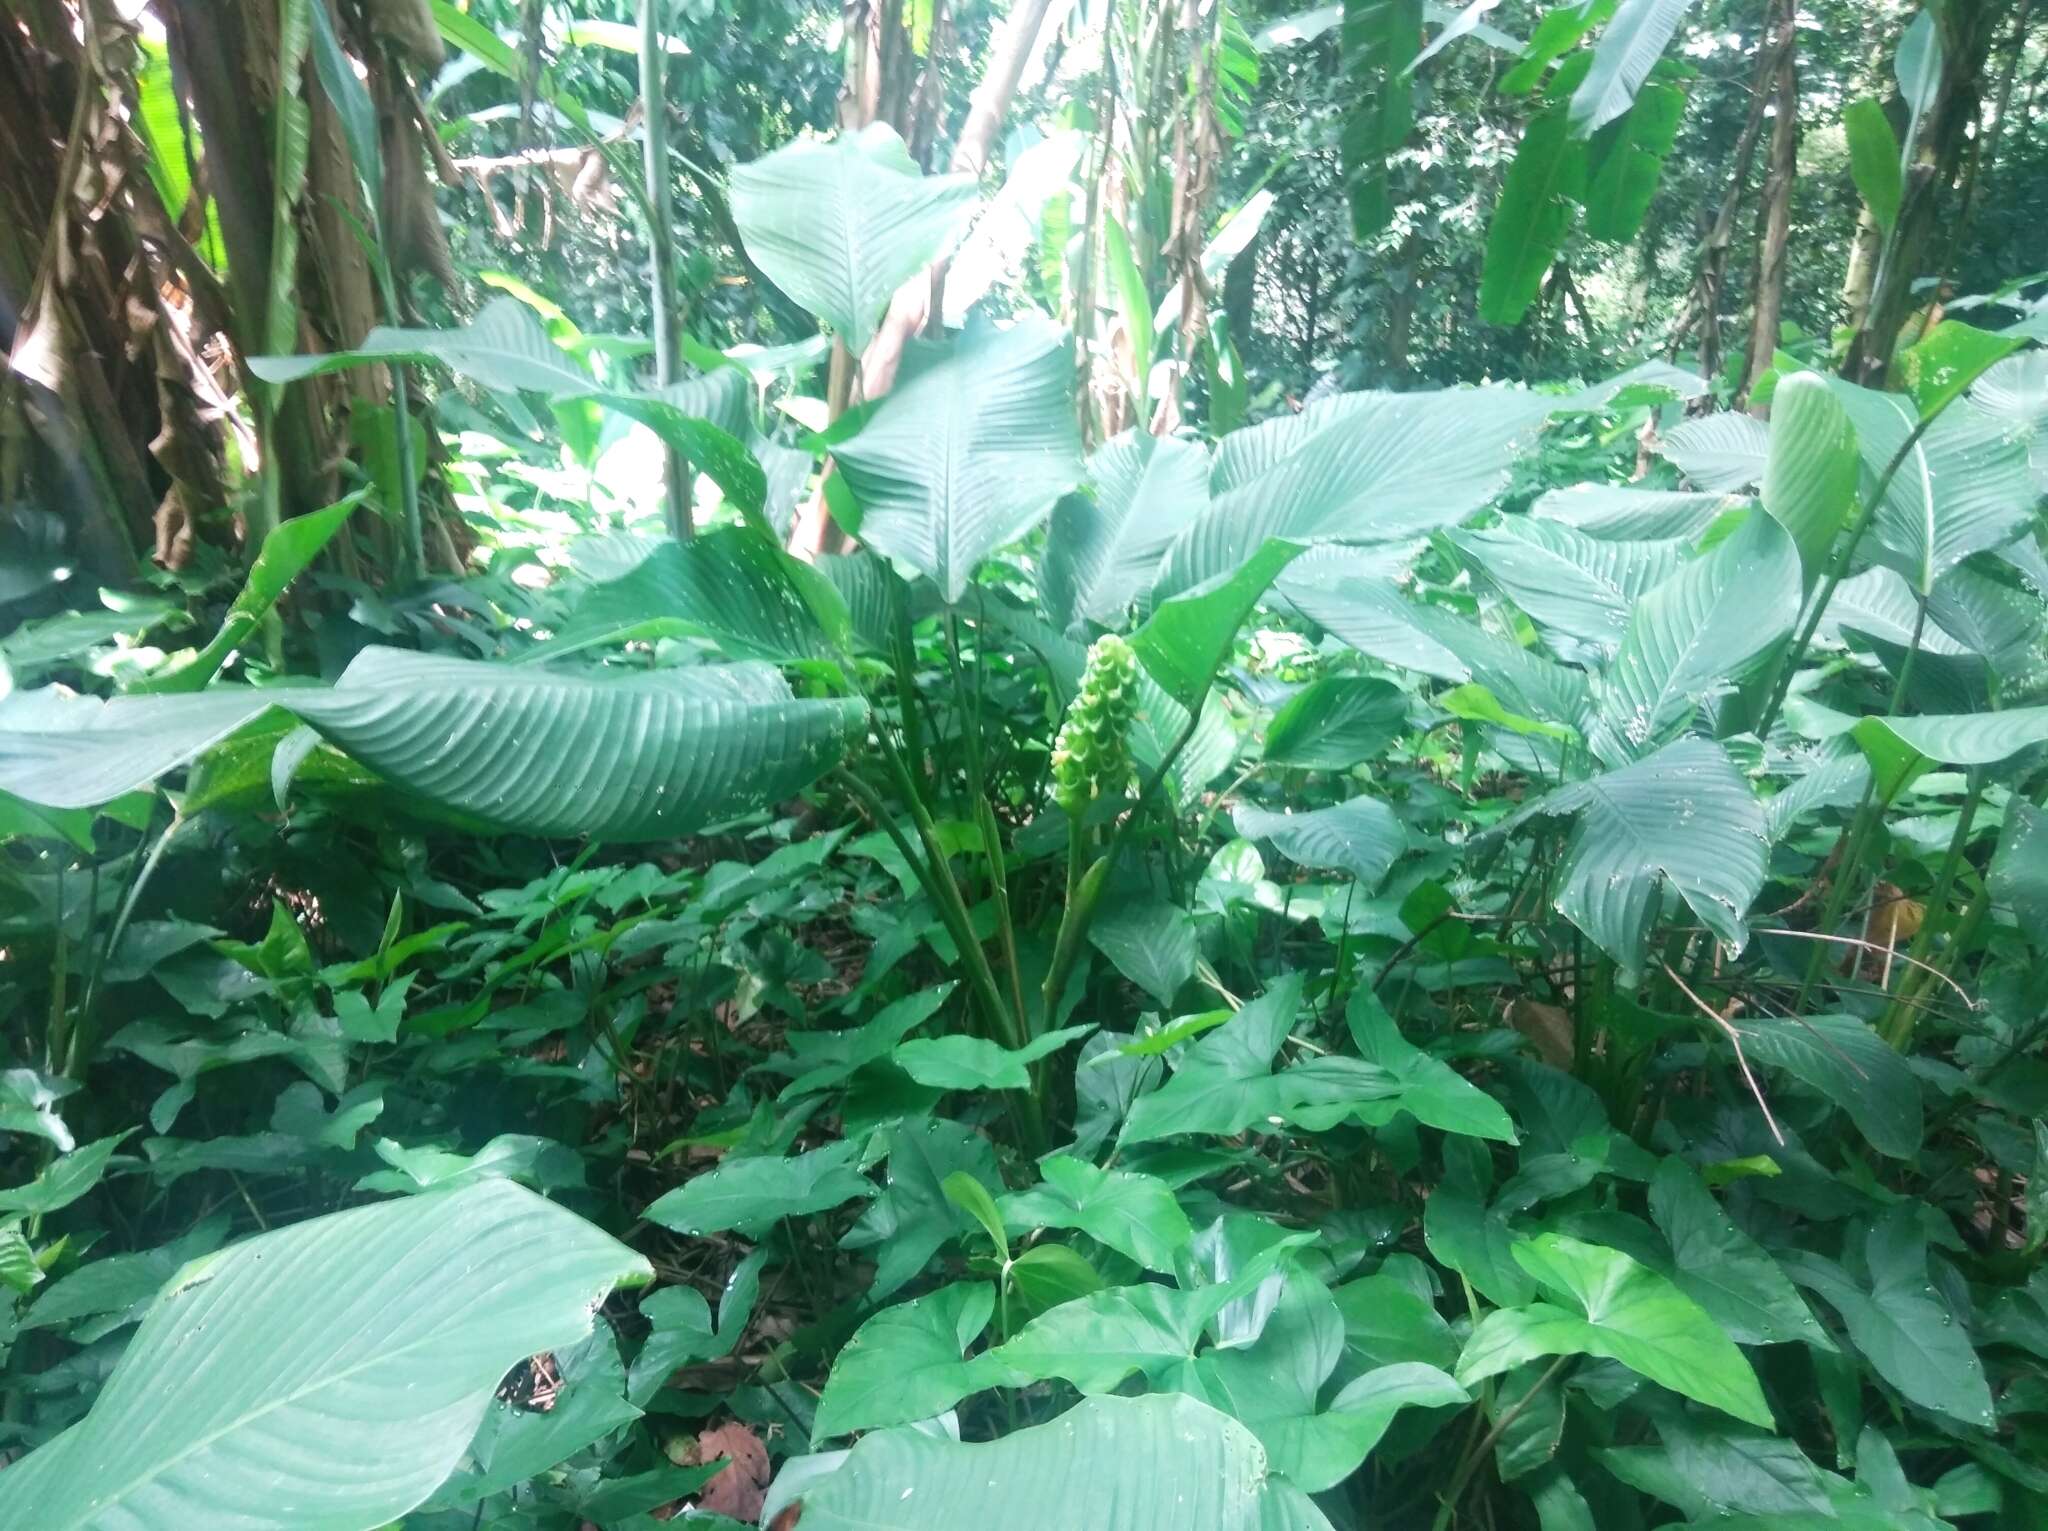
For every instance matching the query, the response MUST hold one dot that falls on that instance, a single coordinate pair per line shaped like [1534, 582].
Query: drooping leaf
[969, 450]
[1431, 1091]
[400, 1318]
[1150, 942]
[1355, 468]
[1962, 488]
[1622, 60]
[1725, 451]
[1547, 178]
[1379, 48]
[549, 752]
[1624, 1311]
[1225, 1081]
[1160, 1463]
[1699, 630]
[839, 226]
[1903, 1325]
[1105, 547]
[1852, 1066]
[1874, 160]
[904, 1364]
[1723, 1269]
[730, 584]
[1579, 584]
[1626, 182]
[1683, 815]
[1360, 838]
[1812, 471]
[1131, 1213]
[1336, 723]
[1606, 510]
[750, 1195]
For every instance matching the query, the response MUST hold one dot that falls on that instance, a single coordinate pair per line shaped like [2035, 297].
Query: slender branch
[1735, 1040]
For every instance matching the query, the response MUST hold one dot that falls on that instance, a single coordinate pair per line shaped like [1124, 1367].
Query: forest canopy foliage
[1109, 764]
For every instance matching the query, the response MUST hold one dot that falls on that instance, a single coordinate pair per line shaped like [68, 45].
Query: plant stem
[1896, 1026]
[661, 249]
[1478, 1453]
[1786, 666]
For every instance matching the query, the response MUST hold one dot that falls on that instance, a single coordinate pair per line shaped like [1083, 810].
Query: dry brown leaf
[739, 1490]
[1548, 1026]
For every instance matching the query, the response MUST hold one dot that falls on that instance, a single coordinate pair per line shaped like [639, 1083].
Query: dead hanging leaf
[1894, 920]
[408, 25]
[739, 1490]
[1549, 1027]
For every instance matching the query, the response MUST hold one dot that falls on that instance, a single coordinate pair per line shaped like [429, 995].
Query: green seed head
[1091, 756]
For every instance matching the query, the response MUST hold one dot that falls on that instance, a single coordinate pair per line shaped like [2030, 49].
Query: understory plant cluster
[1466, 958]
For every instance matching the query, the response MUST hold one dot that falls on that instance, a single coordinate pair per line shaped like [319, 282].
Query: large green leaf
[1722, 451]
[1150, 941]
[1529, 222]
[639, 756]
[1962, 488]
[66, 751]
[1697, 631]
[1812, 472]
[1874, 159]
[1625, 1312]
[506, 348]
[1225, 1081]
[1852, 1066]
[1335, 723]
[1105, 547]
[1188, 637]
[636, 757]
[1360, 838]
[1723, 1269]
[1626, 182]
[750, 1195]
[287, 550]
[1902, 1324]
[969, 450]
[1131, 1213]
[1683, 815]
[839, 226]
[1160, 1463]
[975, 1063]
[2016, 391]
[1963, 738]
[1431, 1091]
[503, 347]
[730, 584]
[1378, 48]
[1622, 60]
[2018, 878]
[372, 1338]
[1097, 1341]
[1377, 620]
[904, 1364]
[1581, 585]
[1611, 510]
[1359, 467]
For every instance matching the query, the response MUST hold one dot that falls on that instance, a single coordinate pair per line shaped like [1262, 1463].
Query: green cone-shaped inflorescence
[1092, 754]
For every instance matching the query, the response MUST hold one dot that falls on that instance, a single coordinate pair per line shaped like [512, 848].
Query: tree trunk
[1777, 215]
[1966, 32]
[924, 294]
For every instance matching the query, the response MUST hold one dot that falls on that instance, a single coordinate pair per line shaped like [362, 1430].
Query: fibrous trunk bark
[1775, 236]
